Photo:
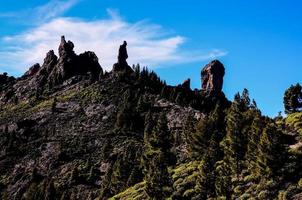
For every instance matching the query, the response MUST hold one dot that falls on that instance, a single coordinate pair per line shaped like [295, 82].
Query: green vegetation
[131, 136]
[293, 99]
[294, 122]
[157, 158]
[235, 153]
[137, 192]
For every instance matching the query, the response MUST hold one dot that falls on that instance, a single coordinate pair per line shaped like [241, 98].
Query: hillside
[69, 130]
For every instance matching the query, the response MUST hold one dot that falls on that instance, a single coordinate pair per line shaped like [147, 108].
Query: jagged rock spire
[50, 61]
[212, 77]
[122, 54]
[69, 64]
[122, 64]
[65, 48]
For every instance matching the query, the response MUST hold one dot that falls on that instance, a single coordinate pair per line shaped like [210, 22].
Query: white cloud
[41, 14]
[148, 44]
[53, 9]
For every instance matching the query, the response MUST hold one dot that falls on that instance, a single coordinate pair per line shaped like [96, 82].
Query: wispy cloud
[149, 44]
[53, 9]
[41, 14]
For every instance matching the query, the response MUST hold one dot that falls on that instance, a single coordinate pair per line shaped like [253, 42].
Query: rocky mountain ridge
[71, 131]
[67, 126]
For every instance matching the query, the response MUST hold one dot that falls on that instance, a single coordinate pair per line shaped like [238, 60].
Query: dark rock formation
[4, 79]
[186, 84]
[91, 63]
[66, 48]
[122, 64]
[68, 69]
[50, 62]
[69, 64]
[212, 77]
[65, 67]
[32, 70]
[123, 55]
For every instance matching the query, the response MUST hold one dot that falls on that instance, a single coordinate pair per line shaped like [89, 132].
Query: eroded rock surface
[212, 77]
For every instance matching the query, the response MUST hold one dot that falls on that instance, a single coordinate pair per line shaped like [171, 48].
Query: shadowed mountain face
[70, 131]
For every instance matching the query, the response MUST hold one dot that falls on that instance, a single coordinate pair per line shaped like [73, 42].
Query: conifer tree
[235, 141]
[127, 117]
[157, 158]
[269, 155]
[207, 176]
[205, 146]
[293, 99]
[209, 128]
[200, 137]
[223, 183]
[254, 134]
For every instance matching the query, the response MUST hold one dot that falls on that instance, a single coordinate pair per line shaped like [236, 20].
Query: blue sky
[259, 42]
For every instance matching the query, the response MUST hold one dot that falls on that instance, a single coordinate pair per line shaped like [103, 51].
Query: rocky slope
[69, 131]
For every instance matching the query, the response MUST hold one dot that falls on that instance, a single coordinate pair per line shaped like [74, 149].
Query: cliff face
[68, 131]
[212, 77]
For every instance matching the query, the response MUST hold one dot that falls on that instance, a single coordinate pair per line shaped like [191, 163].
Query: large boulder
[212, 77]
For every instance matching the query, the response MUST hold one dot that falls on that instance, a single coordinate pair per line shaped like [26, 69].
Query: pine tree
[223, 183]
[200, 137]
[206, 179]
[157, 158]
[293, 99]
[245, 98]
[127, 117]
[235, 141]
[209, 128]
[254, 134]
[205, 146]
[269, 156]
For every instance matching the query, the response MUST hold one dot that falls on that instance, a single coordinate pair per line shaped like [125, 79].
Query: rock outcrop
[122, 64]
[68, 68]
[186, 84]
[32, 70]
[50, 62]
[61, 130]
[65, 68]
[69, 64]
[4, 79]
[212, 77]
